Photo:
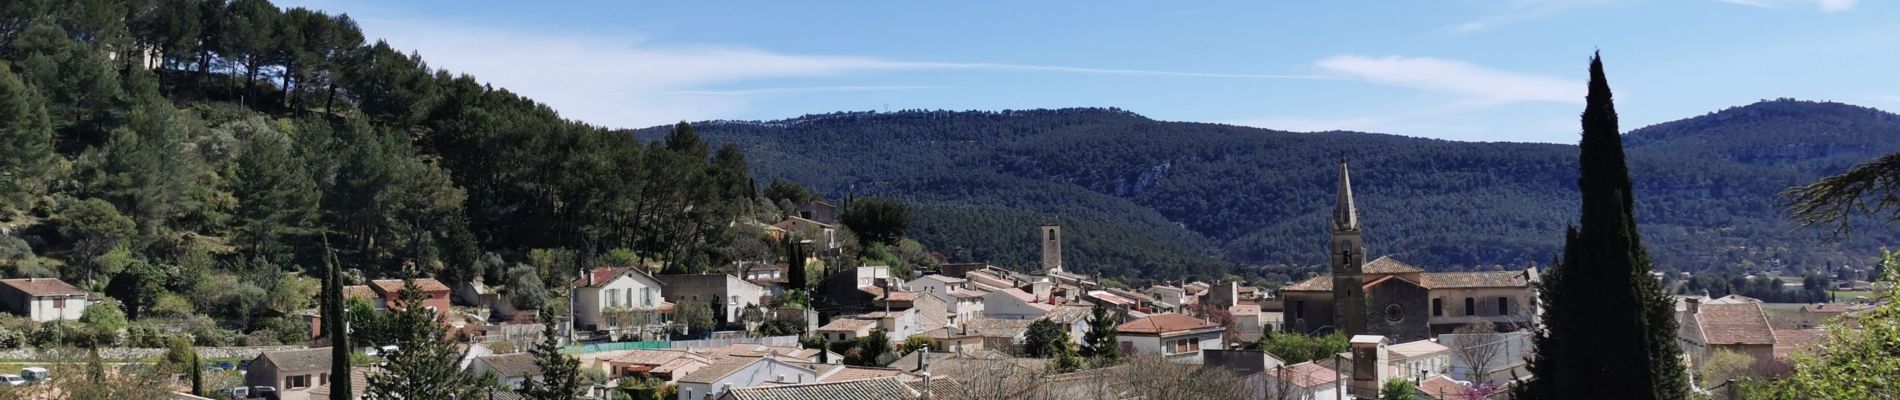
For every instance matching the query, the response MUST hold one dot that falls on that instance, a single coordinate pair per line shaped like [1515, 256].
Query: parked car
[12, 380]
[264, 392]
[240, 392]
[35, 374]
[226, 366]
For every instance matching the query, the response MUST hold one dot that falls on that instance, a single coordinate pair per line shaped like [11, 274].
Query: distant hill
[1157, 199]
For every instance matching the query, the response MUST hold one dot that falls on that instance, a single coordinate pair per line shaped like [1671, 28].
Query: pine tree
[1100, 341]
[560, 374]
[1609, 332]
[1044, 339]
[425, 365]
[26, 142]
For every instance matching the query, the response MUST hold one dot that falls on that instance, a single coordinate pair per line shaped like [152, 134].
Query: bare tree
[1479, 346]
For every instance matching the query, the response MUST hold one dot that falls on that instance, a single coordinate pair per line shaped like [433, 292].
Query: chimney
[1695, 305]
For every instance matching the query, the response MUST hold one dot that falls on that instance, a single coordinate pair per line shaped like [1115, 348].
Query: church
[1399, 301]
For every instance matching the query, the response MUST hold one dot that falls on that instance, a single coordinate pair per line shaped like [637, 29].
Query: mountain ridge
[1220, 195]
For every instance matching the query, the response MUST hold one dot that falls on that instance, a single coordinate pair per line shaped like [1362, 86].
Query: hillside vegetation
[1161, 199]
[196, 160]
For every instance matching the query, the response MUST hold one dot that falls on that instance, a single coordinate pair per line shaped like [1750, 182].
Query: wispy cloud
[799, 90]
[1475, 83]
[1517, 11]
[1825, 5]
[1470, 87]
[632, 82]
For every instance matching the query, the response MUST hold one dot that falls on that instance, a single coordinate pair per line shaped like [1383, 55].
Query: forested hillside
[198, 159]
[1156, 199]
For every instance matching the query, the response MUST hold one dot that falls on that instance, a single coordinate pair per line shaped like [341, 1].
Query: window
[1299, 309]
[1504, 306]
[646, 297]
[1052, 235]
[1471, 306]
[1438, 307]
[297, 381]
[613, 297]
[59, 302]
[323, 379]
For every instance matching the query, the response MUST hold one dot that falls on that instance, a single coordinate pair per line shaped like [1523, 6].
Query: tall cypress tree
[1609, 332]
[336, 326]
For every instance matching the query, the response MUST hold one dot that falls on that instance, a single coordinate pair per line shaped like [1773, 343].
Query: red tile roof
[1163, 324]
[1387, 265]
[392, 286]
[1791, 341]
[362, 291]
[600, 275]
[42, 286]
[1306, 374]
[1441, 385]
[1734, 324]
[1827, 308]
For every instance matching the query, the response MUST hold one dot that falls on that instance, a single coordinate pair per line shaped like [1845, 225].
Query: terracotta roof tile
[393, 286]
[861, 373]
[42, 286]
[1791, 341]
[1305, 375]
[299, 359]
[1322, 283]
[1163, 323]
[1827, 308]
[515, 365]
[1448, 280]
[719, 369]
[1440, 384]
[362, 291]
[848, 325]
[1388, 265]
[1734, 324]
[869, 389]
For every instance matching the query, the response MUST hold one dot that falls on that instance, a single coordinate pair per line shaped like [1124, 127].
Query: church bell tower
[1348, 259]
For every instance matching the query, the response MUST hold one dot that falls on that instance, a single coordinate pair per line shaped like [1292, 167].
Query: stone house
[1743, 328]
[292, 372]
[846, 328]
[729, 295]
[42, 299]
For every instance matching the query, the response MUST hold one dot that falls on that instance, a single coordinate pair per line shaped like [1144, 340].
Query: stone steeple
[1348, 261]
[1345, 215]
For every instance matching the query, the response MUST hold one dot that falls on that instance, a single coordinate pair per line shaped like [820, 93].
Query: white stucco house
[1013, 303]
[626, 288]
[1177, 337]
[42, 299]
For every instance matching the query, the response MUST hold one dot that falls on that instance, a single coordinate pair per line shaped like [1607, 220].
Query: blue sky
[1509, 70]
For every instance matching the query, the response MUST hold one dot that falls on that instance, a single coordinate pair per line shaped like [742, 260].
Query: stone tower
[1348, 257]
[1051, 248]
